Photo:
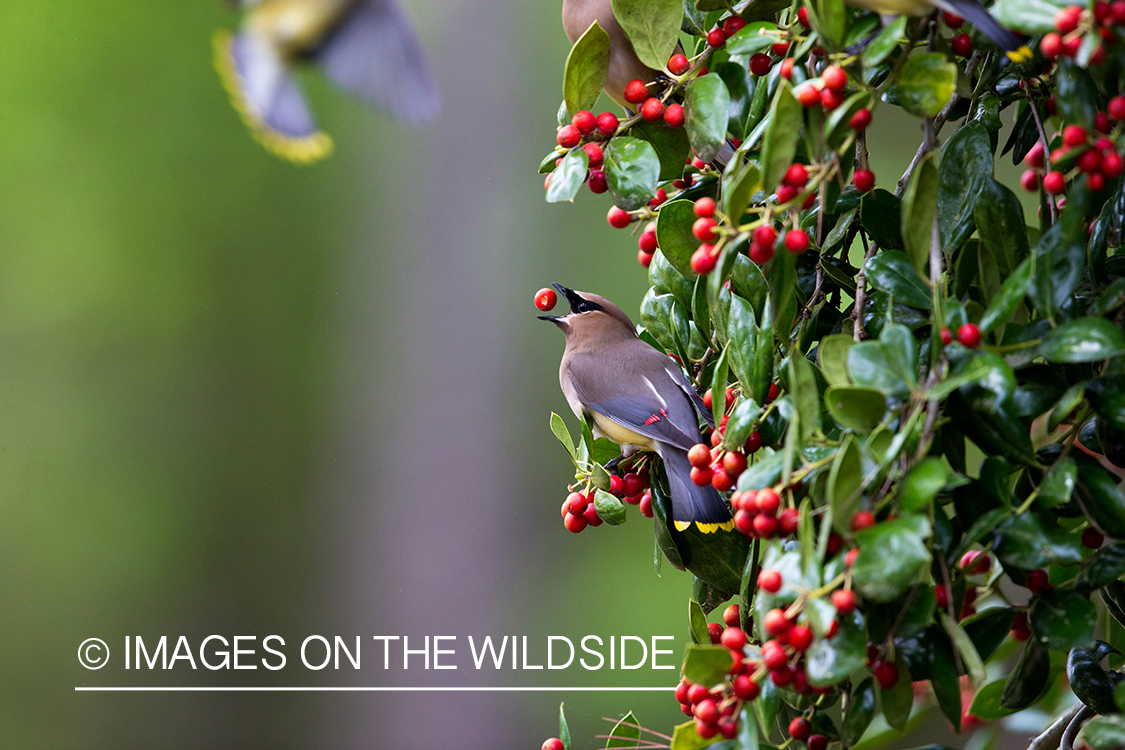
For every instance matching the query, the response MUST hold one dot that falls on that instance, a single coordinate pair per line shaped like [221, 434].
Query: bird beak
[571, 296]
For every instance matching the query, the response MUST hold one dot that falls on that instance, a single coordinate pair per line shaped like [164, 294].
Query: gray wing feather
[270, 91]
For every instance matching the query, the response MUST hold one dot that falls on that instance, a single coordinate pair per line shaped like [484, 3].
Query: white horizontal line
[361, 689]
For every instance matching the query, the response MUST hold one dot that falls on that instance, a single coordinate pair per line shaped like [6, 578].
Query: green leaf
[1028, 16]
[880, 213]
[673, 234]
[944, 679]
[586, 69]
[829, 20]
[568, 176]
[919, 205]
[844, 481]
[564, 730]
[1101, 499]
[983, 525]
[1032, 540]
[779, 145]
[706, 106]
[830, 660]
[832, 356]
[899, 700]
[742, 333]
[971, 660]
[697, 622]
[610, 509]
[1005, 302]
[1060, 619]
[999, 219]
[707, 665]
[632, 170]
[1083, 340]
[739, 86]
[1105, 732]
[717, 557]
[919, 488]
[625, 733]
[558, 427]
[985, 411]
[868, 366]
[665, 279]
[892, 272]
[740, 422]
[1077, 94]
[764, 472]
[901, 352]
[719, 386]
[684, 737]
[653, 28]
[884, 43]
[666, 320]
[1057, 487]
[740, 181]
[662, 530]
[1107, 396]
[986, 704]
[802, 386]
[1103, 568]
[671, 145]
[856, 408]
[859, 713]
[1060, 259]
[1065, 406]
[764, 354]
[1029, 679]
[925, 83]
[751, 39]
[892, 556]
[966, 162]
[988, 629]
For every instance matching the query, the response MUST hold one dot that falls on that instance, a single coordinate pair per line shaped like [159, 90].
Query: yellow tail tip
[306, 150]
[706, 528]
[1021, 55]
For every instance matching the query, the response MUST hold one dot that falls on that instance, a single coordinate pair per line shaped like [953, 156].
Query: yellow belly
[623, 436]
[296, 25]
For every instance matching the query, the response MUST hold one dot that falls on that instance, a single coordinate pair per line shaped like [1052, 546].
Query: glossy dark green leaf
[944, 679]
[984, 525]
[779, 144]
[1077, 94]
[969, 658]
[1028, 16]
[653, 28]
[1005, 302]
[966, 163]
[999, 219]
[1107, 396]
[568, 177]
[921, 485]
[697, 624]
[740, 181]
[1083, 340]
[660, 505]
[632, 170]
[784, 292]
[1061, 618]
[859, 713]
[832, 356]
[1101, 499]
[742, 333]
[610, 509]
[1032, 540]
[666, 279]
[830, 660]
[1060, 259]
[884, 43]
[988, 629]
[673, 234]
[740, 87]
[706, 106]
[1104, 566]
[899, 700]
[925, 84]
[1058, 486]
[763, 362]
[586, 69]
[764, 472]
[901, 352]
[671, 146]
[880, 213]
[856, 408]
[806, 397]
[844, 481]
[564, 730]
[893, 273]
[1029, 679]
[891, 558]
[1105, 732]
[625, 732]
[717, 557]
[707, 664]
[748, 586]
[919, 206]
[986, 705]
[829, 20]
[1065, 406]
[766, 707]
[754, 37]
[868, 367]
[666, 320]
[985, 411]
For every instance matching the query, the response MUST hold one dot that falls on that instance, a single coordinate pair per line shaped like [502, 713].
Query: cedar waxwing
[971, 10]
[624, 65]
[637, 397]
[365, 46]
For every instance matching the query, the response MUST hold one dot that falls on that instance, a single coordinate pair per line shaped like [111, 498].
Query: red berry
[568, 136]
[1034, 156]
[864, 519]
[635, 91]
[1054, 183]
[574, 523]
[607, 123]
[782, 676]
[591, 516]
[1117, 12]
[768, 501]
[753, 443]
[647, 242]
[786, 193]
[728, 728]
[1036, 581]
[969, 335]
[553, 744]
[702, 263]
[594, 154]
[789, 518]
[1074, 135]
[721, 479]
[733, 25]
[707, 711]
[652, 109]
[618, 218]
[1096, 182]
[1066, 20]
[699, 455]
[849, 558]
[678, 64]
[646, 505]
[760, 64]
[674, 115]
[765, 526]
[659, 198]
[761, 254]
[576, 503]
[817, 742]
[844, 601]
[1112, 165]
[1092, 538]
[734, 463]
[616, 484]
[597, 182]
[962, 45]
[776, 622]
[716, 37]
[1029, 180]
[698, 693]
[780, 49]
[803, 16]
[807, 95]
[946, 336]
[800, 728]
[715, 631]
[585, 122]
[834, 78]
[864, 180]
[733, 638]
[701, 475]
[704, 229]
[861, 119]
[886, 674]
[744, 522]
[941, 595]
[765, 235]
[800, 638]
[1102, 123]
[1071, 46]
[952, 20]
[682, 691]
[1116, 108]
[831, 99]
[545, 299]
[704, 208]
[774, 392]
[730, 616]
[797, 241]
[769, 581]
[797, 175]
[975, 562]
[835, 542]
[1051, 45]
[745, 688]
[786, 69]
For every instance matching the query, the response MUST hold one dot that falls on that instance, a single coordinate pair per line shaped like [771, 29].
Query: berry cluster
[579, 510]
[1078, 153]
[1075, 22]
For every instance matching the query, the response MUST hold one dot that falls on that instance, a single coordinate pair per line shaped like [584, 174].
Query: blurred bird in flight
[365, 46]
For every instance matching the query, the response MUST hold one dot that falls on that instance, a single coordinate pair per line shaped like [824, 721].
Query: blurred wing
[375, 53]
[263, 90]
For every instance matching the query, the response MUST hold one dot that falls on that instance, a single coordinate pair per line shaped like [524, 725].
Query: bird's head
[592, 318]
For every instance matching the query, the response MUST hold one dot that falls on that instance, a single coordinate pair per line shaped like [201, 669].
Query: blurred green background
[240, 397]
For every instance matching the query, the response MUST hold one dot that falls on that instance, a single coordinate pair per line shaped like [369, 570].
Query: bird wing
[640, 389]
[375, 53]
[976, 14]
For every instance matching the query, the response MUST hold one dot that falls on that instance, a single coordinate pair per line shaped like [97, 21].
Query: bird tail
[976, 14]
[690, 502]
[375, 53]
[264, 92]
